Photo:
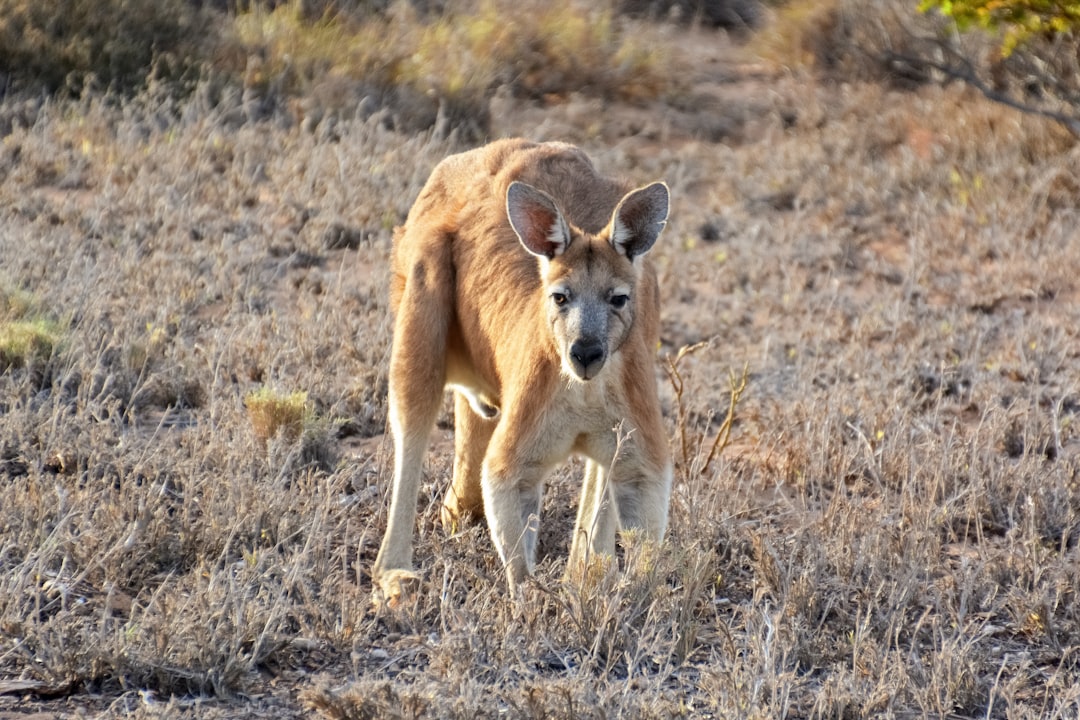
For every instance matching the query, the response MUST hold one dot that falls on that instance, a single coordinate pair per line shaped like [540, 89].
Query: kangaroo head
[589, 282]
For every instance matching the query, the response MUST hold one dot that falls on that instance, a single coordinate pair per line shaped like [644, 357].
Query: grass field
[194, 334]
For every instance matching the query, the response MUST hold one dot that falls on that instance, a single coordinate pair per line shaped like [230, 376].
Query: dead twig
[678, 385]
[723, 435]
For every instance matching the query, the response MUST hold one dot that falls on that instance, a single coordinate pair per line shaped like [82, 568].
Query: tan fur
[474, 311]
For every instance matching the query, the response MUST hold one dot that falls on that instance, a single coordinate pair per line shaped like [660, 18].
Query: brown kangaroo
[521, 281]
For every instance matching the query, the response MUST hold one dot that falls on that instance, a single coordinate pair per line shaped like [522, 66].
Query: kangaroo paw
[394, 588]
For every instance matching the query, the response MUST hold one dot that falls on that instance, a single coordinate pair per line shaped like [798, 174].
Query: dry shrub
[313, 59]
[796, 34]
[892, 41]
[851, 40]
[734, 14]
[424, 66]
[63, 43]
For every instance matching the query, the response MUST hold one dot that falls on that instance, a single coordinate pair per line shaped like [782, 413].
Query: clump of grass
[28, 336]
[640, 618]
[849, 40]
[27, 342]
[16, 303]
[273, 413]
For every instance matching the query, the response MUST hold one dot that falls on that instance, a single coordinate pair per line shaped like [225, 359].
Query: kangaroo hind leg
[464, 502]
[417, 378]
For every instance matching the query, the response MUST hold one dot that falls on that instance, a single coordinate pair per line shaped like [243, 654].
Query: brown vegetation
[892, 530]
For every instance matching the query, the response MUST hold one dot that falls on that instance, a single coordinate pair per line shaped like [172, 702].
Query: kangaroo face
[588, 281]
[589, 297]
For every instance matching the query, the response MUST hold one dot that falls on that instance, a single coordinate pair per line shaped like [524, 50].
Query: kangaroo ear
[639, 218]
[537, 221]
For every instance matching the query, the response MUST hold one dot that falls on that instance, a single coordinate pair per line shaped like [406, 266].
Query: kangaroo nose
[587, 355]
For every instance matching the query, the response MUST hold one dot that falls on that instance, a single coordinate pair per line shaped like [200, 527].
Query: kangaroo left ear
[639, 218]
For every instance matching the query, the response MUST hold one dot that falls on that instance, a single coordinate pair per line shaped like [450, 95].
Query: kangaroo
[520, 280]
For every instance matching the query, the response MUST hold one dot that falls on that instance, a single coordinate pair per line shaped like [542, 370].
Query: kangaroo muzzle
[587, 358]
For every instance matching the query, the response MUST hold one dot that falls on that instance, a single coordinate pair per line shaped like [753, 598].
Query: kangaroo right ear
[537, 221]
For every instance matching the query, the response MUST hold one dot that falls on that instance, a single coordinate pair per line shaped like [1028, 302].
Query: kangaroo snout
[587, 358]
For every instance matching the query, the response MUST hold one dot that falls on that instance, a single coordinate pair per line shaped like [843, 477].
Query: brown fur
[474, 310]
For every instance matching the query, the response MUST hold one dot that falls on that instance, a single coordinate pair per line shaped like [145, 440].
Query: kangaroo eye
[618, 301]
[559, 298]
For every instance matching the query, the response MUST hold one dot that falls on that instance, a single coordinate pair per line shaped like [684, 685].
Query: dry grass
[308, 62]
[892, 530]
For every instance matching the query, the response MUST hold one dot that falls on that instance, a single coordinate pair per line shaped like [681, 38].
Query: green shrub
[1020, 20]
